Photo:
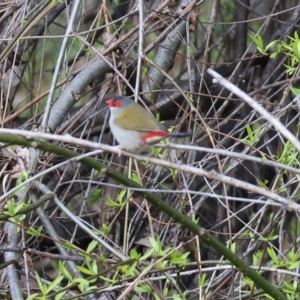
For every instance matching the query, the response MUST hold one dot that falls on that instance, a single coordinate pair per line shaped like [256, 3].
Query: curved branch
[68, 96]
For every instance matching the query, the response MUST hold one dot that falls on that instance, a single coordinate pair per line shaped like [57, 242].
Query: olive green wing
[137, 118]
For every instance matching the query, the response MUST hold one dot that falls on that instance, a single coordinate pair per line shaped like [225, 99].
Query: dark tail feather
[179, 134]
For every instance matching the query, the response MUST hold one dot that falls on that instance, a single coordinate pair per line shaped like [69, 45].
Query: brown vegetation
[60, 61]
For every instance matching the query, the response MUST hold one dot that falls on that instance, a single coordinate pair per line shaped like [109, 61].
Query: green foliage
[35, 232]
[53, 2]
[45, 289]
[253, 135]
[202, 281]
[143, 288]
[256, 258]
[92, 245]
[289, 155]
[178, 297]
[291, 289]
[95, 196]
[293, 263]
[134, 254]
[270, 237]
[90, 269]
[276, 261]
[135, 177]
[290, 262]
[259, 43]
[120, 201]
[249, 283]
[105, 229]
[173, 257]
[13, 210]
[127, 270]
[158, 152]
[231, 246]
[295, 91]
[65, 273]
[290, 49]
[23, 177]
[190, 98]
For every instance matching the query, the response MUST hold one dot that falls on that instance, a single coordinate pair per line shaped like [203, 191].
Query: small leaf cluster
[290, 49]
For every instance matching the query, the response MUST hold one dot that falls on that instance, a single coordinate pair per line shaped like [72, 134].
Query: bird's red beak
[113, 103]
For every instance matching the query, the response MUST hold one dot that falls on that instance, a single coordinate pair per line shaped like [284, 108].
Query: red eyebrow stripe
[113, 103]
[154, 135]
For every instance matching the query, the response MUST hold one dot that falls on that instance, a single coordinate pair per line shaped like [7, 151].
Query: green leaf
[178, 259]
[11, 208]
[148, 253]
[85, 270]
[190, 98]
[60, 295]
[69, 246]
[32, 297]
[113, 204]
[34, 232]
[91, 288]
[92, 245]
[24, 176]
[95, 267]
[292, 265]
[103, 258]
[232, 247]
[272, 254]
[131, 270]
[288, 288]
[95, 196]
[64, 271]
[105, 229]
[165, 251]
[83, 284]
[143, 288]
[135, 178]
[122, 195]
[120, 201]
[162, 265]
[202, 280]
[54, 284]
[259, 43]
[273, 237]
[155, 245]
[134, 254]
[156, 297]
[255, 260]
[42, 287]
[270, 45]
[112, 281]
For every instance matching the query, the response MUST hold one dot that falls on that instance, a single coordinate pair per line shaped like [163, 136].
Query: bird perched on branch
[133, 127]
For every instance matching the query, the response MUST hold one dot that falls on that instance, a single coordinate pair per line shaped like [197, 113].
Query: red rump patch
[113, 103]
[154, 136]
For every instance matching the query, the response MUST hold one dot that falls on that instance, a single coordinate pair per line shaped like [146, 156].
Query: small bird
[134, 128]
